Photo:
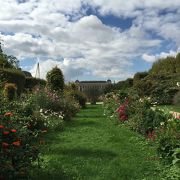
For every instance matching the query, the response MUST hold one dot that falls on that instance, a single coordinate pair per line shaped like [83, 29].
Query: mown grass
[170, 108]
[92, 147]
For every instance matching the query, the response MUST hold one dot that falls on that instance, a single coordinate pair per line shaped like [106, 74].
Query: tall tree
[55, 79]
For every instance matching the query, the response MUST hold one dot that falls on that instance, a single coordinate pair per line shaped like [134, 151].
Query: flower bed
[158, 126]
[18, 147]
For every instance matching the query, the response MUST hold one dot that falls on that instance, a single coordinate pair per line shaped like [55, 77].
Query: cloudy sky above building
[90, 39]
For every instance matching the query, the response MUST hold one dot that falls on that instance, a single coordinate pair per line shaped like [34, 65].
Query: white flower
[178, 84]
[41, 110]
[162, 123]
[169, 120]
[60, 116]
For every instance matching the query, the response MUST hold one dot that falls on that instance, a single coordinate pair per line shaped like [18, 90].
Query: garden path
[93, 147]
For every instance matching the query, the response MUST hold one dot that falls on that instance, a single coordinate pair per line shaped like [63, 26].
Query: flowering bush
[122, 111]
[54, 102]
[168, 138]
[110, 104]
[80, 98]
[17, 147]
[158, 126]
[53, 120]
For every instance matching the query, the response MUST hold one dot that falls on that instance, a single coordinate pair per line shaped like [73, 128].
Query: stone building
[85, 86]
[92, 89]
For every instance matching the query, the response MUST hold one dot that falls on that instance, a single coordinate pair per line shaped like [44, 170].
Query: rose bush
[18, 146]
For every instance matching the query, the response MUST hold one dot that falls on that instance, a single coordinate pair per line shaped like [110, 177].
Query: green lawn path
[93, 147]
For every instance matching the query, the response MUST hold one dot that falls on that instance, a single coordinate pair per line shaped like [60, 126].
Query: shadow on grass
[54, 174]
[93, 106]
[83, 123]
[82, 152]
[89, 116]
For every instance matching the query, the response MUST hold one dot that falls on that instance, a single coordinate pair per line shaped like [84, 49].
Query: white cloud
[149, 58]
[153, 58]
[60, 33]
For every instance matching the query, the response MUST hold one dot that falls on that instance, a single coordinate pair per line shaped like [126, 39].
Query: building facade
[85, 86]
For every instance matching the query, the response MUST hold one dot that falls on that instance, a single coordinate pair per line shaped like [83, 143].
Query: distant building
[85, 86]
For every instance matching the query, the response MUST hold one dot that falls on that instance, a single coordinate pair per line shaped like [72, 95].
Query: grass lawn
[170, 108]
[92, 147]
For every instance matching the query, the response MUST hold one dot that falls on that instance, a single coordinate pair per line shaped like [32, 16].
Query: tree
[164, 66]
[8, 61]
[138, 77]
[55, 79]
[178, 63]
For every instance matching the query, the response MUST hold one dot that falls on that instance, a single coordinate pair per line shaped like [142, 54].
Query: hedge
[31, 82]
[13, 76]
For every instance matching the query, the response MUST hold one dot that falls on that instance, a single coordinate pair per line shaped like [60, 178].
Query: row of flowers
[141, 115]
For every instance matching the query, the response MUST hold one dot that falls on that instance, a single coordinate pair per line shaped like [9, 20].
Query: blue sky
[90, 39]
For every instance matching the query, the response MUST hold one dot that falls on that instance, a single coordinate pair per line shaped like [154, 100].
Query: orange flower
[6, 132]
[8, 114]
[13, 130]
[5, 145]
[16, 143]
[1, 126]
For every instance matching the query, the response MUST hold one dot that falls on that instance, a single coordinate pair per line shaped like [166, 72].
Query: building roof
[93, 82]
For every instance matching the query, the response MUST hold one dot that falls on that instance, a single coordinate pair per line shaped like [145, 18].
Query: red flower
[122, 112]
[1, 126]
[5, 145]
[123, 117]
[151, 135]
[8, 114]
[6, 132]
[13, 130]
[16, 143]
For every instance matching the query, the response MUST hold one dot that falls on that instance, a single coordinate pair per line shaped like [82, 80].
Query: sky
[90, 39]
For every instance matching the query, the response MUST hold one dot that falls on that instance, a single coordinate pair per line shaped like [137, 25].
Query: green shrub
[164, 66]
[168, 139]
[13, 76]
[10, 90]
[176, 98]
[110, 104]
[80, 98]
[161, 88]
[61, 103]
[32, 82]
[55, 79]
[171, 172]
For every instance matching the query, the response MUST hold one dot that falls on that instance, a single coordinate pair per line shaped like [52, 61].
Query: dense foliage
[80, 98]
[24, 119]
[168, 65]
[14, 76]
[142, 115]
[176, 98]
[161, 88]
[10, 90]
[8, 61]
[32, 82]
[55, 79]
